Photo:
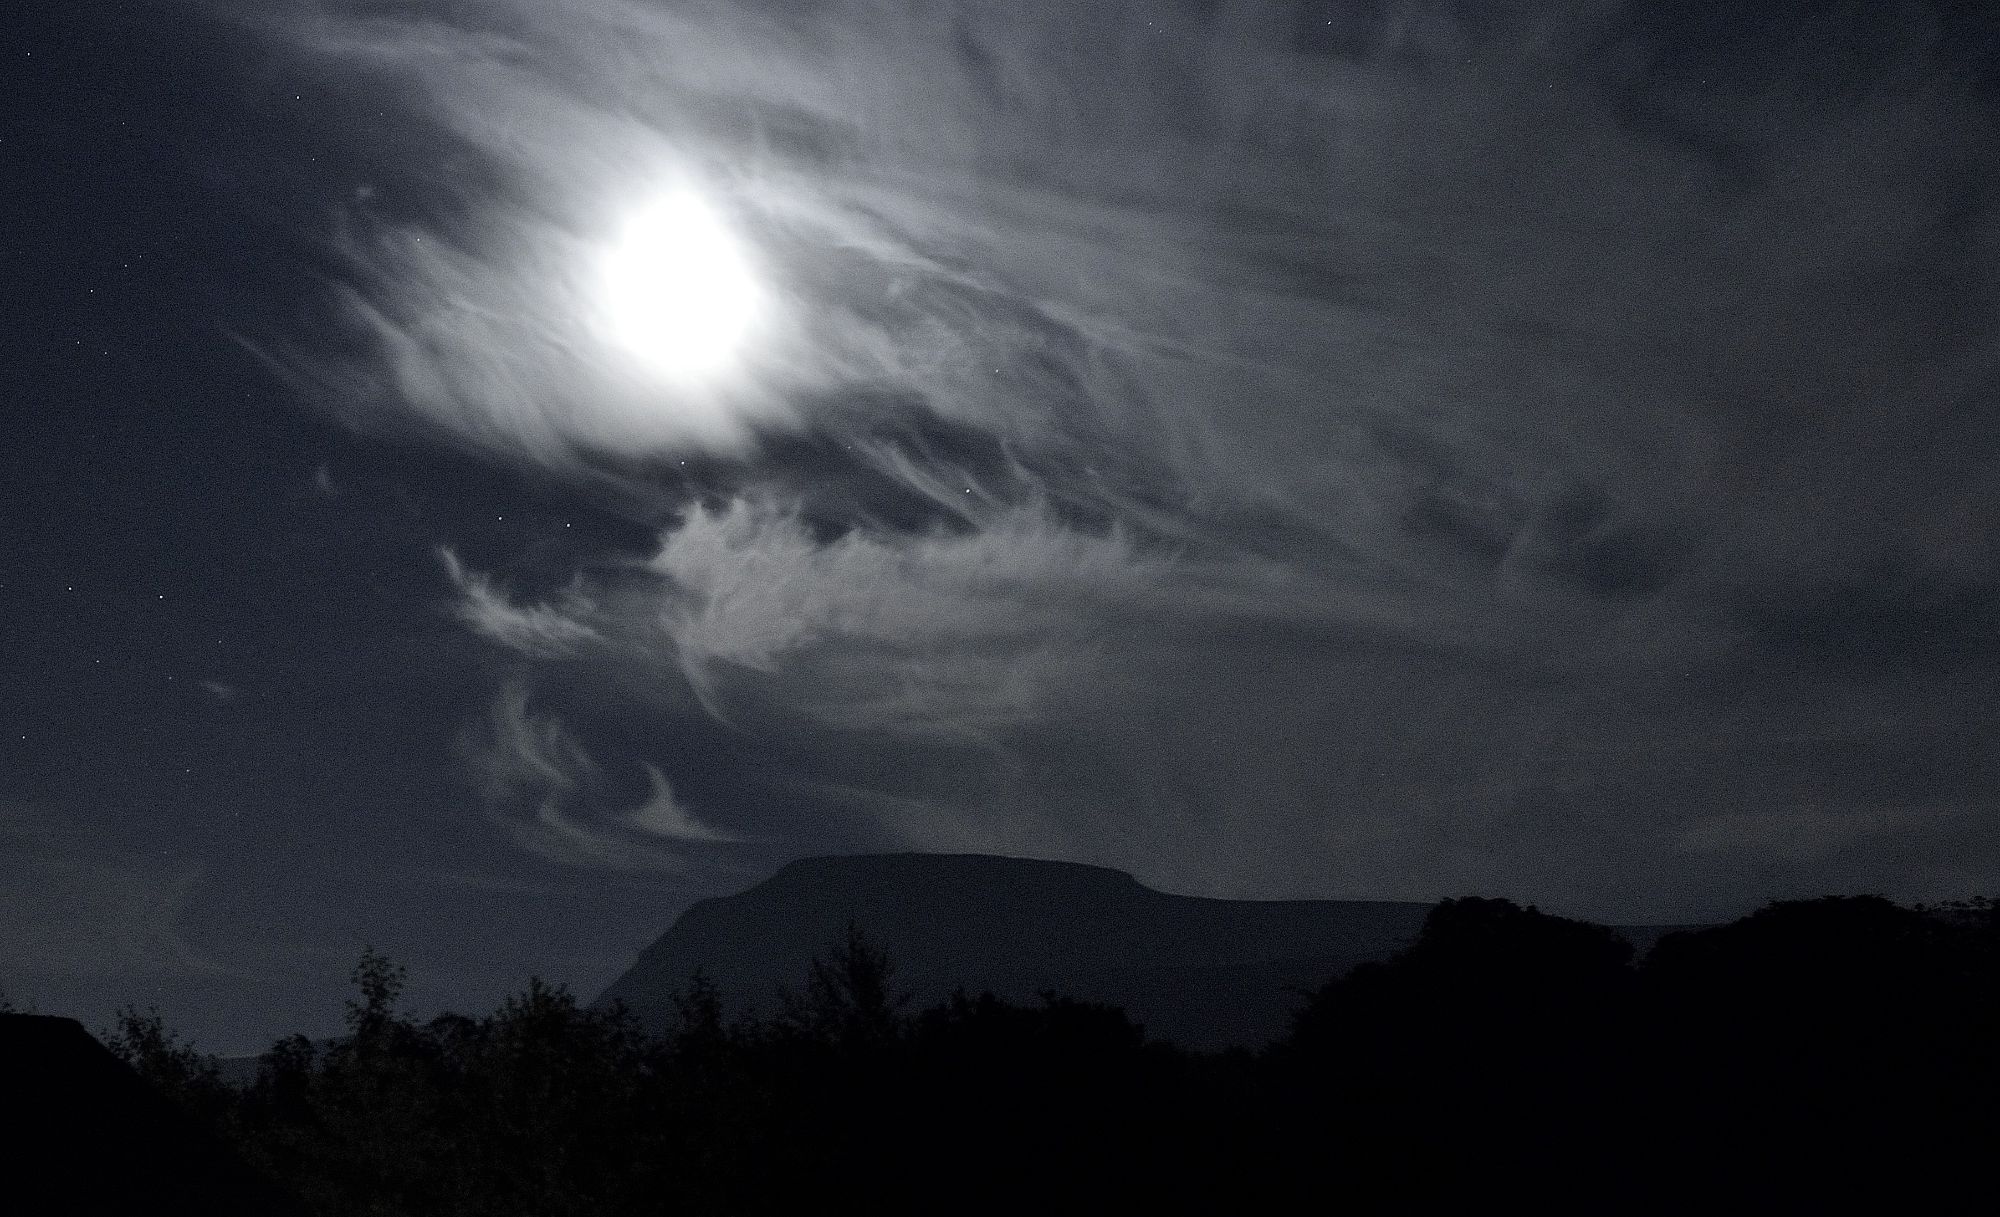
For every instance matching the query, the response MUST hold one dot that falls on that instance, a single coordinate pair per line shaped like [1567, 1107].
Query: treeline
[1841, 1052]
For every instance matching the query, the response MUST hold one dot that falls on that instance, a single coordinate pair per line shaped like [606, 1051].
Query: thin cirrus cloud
[537, 630]
[87, 908]
[1358, 453]
[542, 786]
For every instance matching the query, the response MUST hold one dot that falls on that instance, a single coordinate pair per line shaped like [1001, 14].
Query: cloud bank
[1383, 449]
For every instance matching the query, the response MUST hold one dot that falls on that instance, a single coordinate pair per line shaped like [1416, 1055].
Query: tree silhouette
[378, 986]
[849, 999]
[190, 1078]
[1810, 1055]
[1819, 1039]
[1497, 1040]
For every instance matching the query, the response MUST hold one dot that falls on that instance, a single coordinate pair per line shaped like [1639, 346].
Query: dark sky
[1375, 450]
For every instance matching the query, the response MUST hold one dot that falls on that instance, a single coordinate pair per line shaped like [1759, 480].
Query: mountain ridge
[1205, 972]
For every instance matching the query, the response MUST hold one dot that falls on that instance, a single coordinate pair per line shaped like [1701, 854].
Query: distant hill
[86, 1135]
[1203, 973]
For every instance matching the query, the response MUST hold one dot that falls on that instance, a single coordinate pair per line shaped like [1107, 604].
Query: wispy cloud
[1268, 445]
[77, 907]
[538, 781]
[322, 481]
[539, 630]
[663, 816]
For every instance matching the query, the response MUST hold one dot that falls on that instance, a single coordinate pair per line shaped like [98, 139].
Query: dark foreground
[1826, 1055]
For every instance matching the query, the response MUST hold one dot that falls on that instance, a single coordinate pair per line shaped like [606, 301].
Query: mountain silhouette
[1203, 973]
[1207, 974]
[85, 1134]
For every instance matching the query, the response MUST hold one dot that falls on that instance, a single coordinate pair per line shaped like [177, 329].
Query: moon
[680, 293]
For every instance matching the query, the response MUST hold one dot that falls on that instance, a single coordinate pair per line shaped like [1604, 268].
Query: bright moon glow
[679, 290]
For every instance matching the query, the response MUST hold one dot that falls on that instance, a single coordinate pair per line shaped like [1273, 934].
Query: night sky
[478, 475]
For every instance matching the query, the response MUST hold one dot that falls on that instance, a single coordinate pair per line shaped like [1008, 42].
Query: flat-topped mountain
[1204, 973]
